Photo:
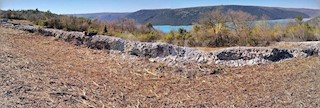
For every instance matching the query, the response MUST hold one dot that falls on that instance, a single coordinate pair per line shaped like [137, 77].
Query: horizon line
[115, 12]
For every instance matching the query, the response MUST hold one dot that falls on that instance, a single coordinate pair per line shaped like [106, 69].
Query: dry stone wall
[172, 54]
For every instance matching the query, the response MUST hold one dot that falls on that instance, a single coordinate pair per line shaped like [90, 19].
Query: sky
[93, 6]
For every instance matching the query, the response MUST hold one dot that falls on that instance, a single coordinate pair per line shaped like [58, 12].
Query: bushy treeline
[216, 29]
[237, 28]
[51, 20]
[121, 28]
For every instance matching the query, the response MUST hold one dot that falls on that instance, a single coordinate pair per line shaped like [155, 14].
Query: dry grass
[293, 45]
[208, 49]
[39, 71]
[22, 22]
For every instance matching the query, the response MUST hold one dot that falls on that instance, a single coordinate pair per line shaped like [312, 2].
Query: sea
[168, 28]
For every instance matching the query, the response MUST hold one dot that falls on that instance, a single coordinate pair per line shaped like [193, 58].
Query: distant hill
[187, 16]
[102, 16]
[314, 21]
[310, 12]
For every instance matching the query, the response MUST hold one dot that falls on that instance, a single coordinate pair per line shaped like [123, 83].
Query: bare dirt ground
[38, 71]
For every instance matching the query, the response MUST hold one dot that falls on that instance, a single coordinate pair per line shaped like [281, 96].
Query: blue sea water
[168, 28]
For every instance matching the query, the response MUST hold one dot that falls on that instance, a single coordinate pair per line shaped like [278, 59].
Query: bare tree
[127, 25]
[130, 25]
[112, 26]
[210, 20]
[240, 21]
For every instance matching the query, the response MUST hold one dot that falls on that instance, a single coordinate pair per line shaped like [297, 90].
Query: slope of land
[187, 16]
[310, 12]
[314, 22]
[37, 71]
[102, 16]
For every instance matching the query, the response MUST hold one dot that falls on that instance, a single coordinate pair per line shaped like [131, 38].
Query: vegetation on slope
[122, 28]
[314, 22]
[216, 29]
[232, 28]
[69, 76]
[104, 17]
[188, 16]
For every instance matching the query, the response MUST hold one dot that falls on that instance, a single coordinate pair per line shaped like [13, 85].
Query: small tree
[196, 28]
[1, 14]
[278, 32]
[105, 29]
[169, 38]
[242, 23]
[92, 31]
[299, 20]
[149, 26]
[127, 25]
[210, 20]
[148, 37]
[261, 34]
[44, 23]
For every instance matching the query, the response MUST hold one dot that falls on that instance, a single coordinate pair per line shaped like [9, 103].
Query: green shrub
[149, 37]
[181, 38]
[168, 38]
[92, 31]
[217, 29]
[44, 23]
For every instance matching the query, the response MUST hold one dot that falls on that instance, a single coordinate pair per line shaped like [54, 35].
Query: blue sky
[91, 6]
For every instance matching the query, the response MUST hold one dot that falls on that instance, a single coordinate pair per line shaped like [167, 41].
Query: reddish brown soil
[38, 71]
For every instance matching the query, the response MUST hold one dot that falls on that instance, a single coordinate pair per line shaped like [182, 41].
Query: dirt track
[37, 71]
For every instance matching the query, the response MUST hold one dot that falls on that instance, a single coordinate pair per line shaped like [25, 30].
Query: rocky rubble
[172, 54]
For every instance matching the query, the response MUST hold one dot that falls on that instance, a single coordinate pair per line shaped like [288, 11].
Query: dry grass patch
[37, 71]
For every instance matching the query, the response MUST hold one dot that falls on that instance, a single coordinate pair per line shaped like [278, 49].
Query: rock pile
[172, 54]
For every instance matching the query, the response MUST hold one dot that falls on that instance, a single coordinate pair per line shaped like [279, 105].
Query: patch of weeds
[217, 71]
[161, 67]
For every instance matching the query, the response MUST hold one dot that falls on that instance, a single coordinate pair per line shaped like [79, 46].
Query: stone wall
[172, 54]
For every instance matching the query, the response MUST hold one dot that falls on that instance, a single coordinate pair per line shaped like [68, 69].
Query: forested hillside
[187, 16]
[102, 16]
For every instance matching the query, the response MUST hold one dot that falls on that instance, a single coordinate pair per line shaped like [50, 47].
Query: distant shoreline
[169, 28]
